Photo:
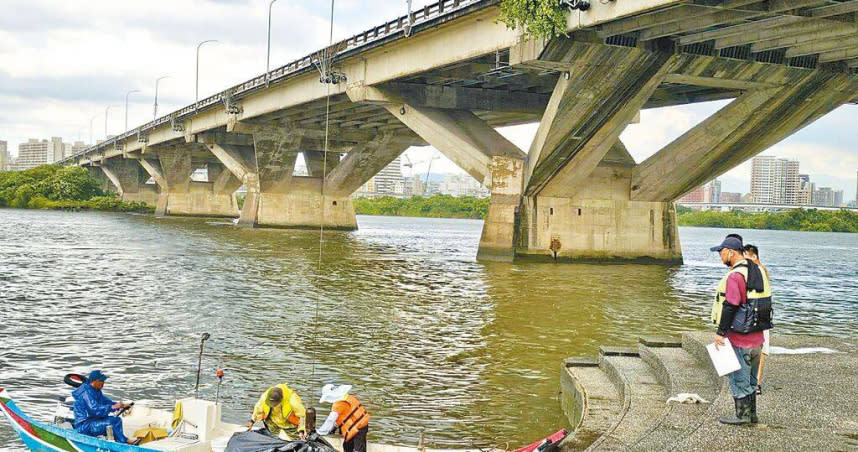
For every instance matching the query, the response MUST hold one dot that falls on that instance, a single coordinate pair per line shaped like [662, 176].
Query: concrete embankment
[617, 401]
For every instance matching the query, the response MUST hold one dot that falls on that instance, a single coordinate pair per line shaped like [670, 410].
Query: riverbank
[437, 206]
[810, 220]
[54, 187]
[445, 206]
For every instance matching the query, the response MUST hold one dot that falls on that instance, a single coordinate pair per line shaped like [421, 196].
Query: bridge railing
[401, 25]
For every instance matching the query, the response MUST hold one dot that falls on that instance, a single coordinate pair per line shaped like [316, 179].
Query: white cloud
[63, 62]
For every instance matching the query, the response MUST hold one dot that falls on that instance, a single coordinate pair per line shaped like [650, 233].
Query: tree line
[58, 187]
[791, 220]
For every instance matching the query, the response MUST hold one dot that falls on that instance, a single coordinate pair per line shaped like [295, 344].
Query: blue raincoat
[91, 413]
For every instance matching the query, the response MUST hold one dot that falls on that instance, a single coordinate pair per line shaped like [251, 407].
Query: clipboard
[723, 358]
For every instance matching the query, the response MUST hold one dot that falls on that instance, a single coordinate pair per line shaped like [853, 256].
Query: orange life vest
[352, 416]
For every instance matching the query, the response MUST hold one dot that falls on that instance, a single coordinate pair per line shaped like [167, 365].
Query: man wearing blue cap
[92, 409]
[742, 282]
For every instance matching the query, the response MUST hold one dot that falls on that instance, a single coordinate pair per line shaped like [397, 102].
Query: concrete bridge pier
[577, 201]
[474, 146]
[263, 158]
[129, 178]
[95, 171]
[183, 197]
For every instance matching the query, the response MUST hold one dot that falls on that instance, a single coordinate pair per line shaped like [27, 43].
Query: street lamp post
[106, 111]
[90, 129]
[155, 113]
[126, 105]
[197, 86]
[268, 55]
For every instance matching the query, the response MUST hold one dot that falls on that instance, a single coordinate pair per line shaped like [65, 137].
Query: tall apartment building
[389, 181]
[32, 153]
[774, 180]
[5, 157]
[462, 185]
[805, 190]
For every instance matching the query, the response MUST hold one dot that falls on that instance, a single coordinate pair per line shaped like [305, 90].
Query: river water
[467, 352]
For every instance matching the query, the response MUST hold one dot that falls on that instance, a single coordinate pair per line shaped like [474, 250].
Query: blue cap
[96, 375]
[729, 243]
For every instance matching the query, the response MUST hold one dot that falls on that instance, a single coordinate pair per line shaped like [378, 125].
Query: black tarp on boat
[258, 442]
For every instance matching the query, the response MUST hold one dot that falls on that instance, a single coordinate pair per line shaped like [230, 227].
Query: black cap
[730, 243]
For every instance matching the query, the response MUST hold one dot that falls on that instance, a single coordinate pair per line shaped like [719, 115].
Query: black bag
[257, 442]
[756, 314]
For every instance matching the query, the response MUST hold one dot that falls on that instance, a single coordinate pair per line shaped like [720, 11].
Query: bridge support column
[577, 203]
[129, 178]
[184, 197]
[104, 183]
[264, 160]
[478, 149]
[747, 126]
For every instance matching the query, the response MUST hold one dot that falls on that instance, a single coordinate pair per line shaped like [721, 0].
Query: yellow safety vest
[721, 293]
[262, 411]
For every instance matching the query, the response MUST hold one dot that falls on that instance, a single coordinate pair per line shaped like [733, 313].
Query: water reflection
[468, 353]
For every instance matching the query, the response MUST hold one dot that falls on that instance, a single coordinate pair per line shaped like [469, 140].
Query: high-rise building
[774, 180]
[5, 157]
[33, 153]
[827, 197]
[805, 190]
[56, 150]
[715, 191]
[462, 185]
[78, 147]
[696, 195]
[389, 181]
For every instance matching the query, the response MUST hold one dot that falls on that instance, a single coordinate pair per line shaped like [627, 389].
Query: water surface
[467, 352]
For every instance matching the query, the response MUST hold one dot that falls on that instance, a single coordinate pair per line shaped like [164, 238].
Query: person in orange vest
[347, 414]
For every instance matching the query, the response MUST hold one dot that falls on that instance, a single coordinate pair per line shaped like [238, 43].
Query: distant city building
[710, 192]
[730, 198]
[827, 197]
[855, 201]
[774, 180]
[5, 157]
[715, 191]
[78, 147]
[805, 190]
[462, 185]
[747, 198]
[32, 153]
[389, 181]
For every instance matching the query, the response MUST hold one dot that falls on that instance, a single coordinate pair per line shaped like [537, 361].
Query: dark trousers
[98, 427]
[358, 443]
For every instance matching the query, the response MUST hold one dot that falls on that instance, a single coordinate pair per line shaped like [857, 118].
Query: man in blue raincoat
[92, 409]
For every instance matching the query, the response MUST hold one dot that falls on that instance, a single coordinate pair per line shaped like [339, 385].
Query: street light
[106, 110]
[90, 129]
[197, 89]
[268, 55]
[155, 113]
[126, 105]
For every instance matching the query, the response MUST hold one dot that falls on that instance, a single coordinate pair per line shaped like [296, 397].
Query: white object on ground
[723, 358]
[800, 351]
[687, 397]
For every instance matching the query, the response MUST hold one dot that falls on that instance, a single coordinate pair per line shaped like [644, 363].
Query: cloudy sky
[62, 63]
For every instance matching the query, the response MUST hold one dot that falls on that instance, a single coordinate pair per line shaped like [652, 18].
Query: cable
[322, 190]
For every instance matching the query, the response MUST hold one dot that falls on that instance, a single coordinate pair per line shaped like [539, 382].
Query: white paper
[723, 358]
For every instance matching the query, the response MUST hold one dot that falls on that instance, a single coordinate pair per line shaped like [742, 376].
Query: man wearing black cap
[733, 293]
[92, 409]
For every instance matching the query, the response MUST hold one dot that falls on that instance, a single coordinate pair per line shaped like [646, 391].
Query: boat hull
[43, 437]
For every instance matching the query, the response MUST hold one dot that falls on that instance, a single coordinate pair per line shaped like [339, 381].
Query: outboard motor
[64, 412]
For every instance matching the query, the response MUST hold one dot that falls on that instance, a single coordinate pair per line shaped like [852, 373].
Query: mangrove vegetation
[58, 187]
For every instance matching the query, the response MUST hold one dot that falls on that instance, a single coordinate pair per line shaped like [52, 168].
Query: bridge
[449, 74]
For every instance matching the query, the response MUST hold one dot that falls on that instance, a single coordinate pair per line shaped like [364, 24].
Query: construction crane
[408, 163]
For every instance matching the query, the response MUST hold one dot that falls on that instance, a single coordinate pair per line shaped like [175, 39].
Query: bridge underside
[576, 194]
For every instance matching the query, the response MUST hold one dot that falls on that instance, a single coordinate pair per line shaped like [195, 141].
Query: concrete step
[590, 400]
[678, 371]
[643, 399]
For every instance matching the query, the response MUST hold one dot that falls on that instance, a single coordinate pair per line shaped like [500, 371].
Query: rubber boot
[743, 413]
[753, 408]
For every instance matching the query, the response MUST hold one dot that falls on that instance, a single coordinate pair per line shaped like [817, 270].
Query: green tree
[539, 18]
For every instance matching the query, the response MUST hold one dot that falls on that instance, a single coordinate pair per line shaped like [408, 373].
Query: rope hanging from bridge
[328, 57]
